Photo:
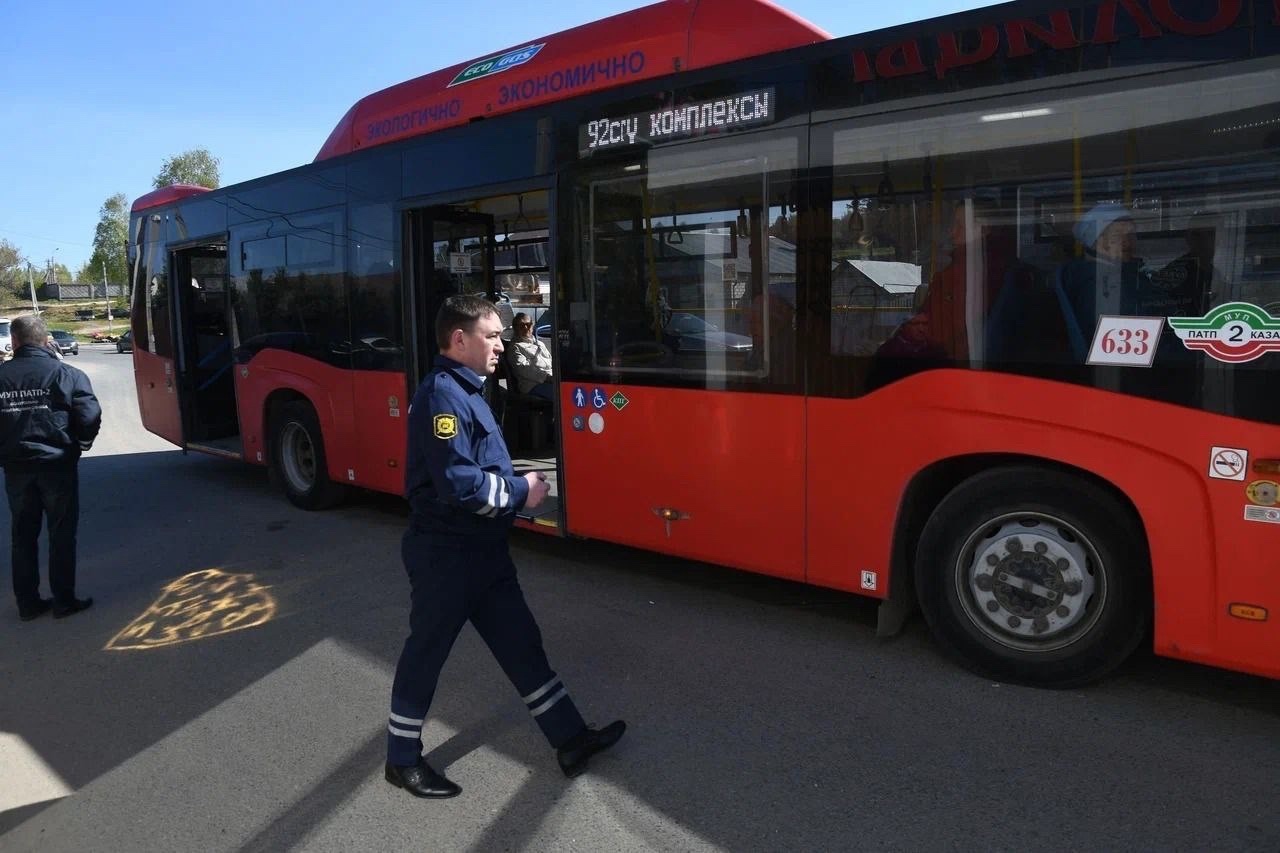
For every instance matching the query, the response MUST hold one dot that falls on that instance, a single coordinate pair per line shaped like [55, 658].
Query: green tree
[109, 238]
[13, 270]
[196, 166]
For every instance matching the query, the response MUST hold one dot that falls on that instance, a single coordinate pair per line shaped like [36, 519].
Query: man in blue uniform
[463, 497]
[48, 415]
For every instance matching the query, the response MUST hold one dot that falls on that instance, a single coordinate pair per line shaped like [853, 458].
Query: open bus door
[204, 349]
[450, 251]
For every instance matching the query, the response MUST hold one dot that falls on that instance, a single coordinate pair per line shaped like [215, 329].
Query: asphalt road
[764, 715]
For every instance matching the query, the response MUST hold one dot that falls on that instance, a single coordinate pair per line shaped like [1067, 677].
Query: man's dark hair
[28, 330]
[460, 312]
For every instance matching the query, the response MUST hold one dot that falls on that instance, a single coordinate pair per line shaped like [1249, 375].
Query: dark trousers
[456, 579]
[35, 493]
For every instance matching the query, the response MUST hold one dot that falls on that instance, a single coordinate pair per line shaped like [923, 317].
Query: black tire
[119, 347]
[1068, 596]
[298, 461]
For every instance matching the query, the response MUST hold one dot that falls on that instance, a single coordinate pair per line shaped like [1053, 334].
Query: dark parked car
[67, 345]
[124, 343]
[694, 334]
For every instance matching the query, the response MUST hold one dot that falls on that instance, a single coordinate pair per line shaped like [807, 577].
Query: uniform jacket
[458, 476]
[47, 409]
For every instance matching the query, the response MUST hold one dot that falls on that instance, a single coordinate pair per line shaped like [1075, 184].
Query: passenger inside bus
[1109, 277]
[1005, 316]
[530, 359]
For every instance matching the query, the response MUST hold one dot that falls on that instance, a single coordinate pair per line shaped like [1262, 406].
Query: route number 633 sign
[1126, 341]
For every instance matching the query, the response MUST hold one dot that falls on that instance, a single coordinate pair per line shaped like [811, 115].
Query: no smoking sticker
[1228, 463]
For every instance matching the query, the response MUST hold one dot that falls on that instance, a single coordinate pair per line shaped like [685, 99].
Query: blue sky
[95, 98]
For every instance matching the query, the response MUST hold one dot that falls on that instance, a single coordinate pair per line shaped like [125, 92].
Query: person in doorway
[531, 359]
[48, 417]
[463, 496]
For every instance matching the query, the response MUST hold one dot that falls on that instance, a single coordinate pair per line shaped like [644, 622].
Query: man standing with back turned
[463, 496]
[48, 416]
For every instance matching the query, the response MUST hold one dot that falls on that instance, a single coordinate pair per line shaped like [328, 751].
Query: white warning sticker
[1268, 514]
[1228, 463]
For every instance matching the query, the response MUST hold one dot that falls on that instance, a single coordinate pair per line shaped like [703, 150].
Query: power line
[47, 239]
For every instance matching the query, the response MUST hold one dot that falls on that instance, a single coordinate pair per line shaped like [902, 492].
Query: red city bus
[979, 314]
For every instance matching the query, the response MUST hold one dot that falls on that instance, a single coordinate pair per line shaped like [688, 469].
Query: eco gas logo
[1235, 332]
[496, 64]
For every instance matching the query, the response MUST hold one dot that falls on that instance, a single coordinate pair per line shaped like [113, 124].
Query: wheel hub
[1030, 582]
[298, 456]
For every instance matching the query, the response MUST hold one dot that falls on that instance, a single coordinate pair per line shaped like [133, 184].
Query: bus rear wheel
[298, 459]
[1035, 577]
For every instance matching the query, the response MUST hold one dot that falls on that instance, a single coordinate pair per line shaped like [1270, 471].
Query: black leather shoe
[573, 756]
[62, 611]
[43, 606]
[421, 781]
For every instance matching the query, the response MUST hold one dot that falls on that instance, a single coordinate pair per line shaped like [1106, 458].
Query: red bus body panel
[653, 41]
[157, 395]
[731, 466]
[362, 415]
[863, 454]
[167, 195]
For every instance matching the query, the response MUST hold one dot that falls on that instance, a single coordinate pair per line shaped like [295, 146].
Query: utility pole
[106, 296]
[31, 282]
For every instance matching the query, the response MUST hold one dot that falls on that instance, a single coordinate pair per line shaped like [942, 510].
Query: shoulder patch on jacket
[445, 426]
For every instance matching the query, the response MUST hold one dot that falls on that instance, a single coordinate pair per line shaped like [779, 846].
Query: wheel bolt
[1014, 545]
[1064, 611]
[1040, 625]
[993, 560]
[984, 582]
[993, 606]
[1041, 548]
[1073, 587]
[1014, 622]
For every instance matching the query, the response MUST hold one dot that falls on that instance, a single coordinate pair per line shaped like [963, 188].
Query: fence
[82, 291]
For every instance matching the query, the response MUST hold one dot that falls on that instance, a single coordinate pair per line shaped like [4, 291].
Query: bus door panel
[707, 475]
[154, 357]
[686, 279]
[158, 395]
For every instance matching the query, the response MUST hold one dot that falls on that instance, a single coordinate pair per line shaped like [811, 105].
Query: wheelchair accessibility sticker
[446, 426]
[1235, 332]
[598, 399]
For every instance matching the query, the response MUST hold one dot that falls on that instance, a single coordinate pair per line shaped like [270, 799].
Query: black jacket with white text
[48, 412]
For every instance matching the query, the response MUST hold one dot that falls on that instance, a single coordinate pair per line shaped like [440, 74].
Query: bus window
[288, 288]
[157, 289]
[970, 237]
[692, 263]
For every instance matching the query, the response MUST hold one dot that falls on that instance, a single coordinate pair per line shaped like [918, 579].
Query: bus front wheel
[1033, 576]
[298, 459]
